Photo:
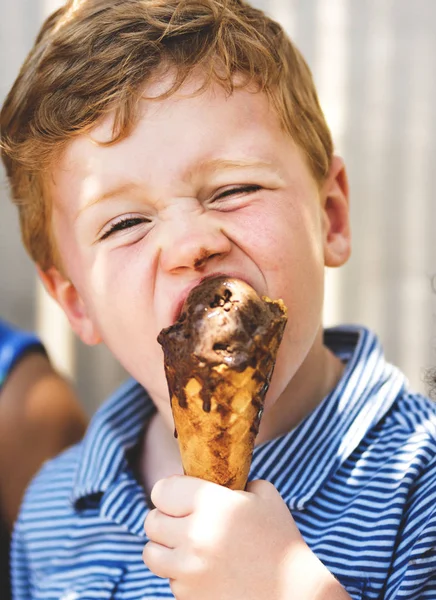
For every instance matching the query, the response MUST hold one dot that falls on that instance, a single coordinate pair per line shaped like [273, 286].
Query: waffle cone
[217, 444]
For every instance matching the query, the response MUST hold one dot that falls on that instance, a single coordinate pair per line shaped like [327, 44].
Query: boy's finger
[164, 530]
[175, 496]
[178, 495]
[263, 489]
[158, 559]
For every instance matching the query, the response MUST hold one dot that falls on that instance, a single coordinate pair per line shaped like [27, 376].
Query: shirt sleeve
[413, 575]
[20, 575]
[14, 343]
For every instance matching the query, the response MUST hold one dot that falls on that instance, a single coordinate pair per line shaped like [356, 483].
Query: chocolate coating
[223, 321]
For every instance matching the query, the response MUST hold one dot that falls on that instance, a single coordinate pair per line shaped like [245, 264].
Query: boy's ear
[336, 215]
[67, 296]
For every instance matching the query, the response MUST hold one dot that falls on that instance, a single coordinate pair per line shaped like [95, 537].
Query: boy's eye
[244, 189]
[123, 223]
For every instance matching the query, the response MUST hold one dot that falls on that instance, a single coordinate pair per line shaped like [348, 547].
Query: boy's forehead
[187, 132]
[176, 117]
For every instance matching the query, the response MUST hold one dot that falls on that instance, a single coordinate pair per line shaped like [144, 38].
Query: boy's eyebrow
[220, 164]
[118, 190]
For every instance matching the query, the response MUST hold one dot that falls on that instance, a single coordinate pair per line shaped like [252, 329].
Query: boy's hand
[215, 543]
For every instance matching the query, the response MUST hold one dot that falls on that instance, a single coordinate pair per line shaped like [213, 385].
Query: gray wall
[374, 62]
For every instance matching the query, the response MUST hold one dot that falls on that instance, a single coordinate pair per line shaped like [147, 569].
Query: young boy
[149, 144]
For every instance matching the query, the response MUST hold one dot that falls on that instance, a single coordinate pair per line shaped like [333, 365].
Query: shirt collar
[115, 428]
[302, 461]
[299, 463]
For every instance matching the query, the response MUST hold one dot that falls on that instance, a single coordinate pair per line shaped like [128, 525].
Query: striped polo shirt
[358, 475]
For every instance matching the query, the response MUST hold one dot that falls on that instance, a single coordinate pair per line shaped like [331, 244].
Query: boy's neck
[316, 378]
[159, 454]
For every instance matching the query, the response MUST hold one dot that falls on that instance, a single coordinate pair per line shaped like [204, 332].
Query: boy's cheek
[139, 353]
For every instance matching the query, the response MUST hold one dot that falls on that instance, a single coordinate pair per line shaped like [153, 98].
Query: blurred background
[374, 63]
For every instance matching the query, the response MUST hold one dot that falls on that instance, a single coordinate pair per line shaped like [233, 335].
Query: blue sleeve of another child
[14, 343]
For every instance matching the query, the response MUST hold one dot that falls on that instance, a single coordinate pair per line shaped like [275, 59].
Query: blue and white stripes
[358, 474]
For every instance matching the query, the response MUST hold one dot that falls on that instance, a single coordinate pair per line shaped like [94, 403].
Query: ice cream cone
[219, 359]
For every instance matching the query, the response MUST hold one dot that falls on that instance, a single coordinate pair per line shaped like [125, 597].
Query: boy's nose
[193, 247]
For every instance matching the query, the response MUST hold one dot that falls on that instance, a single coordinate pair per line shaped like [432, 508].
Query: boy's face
[205, 184]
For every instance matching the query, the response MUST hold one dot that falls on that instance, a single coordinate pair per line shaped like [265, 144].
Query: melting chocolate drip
[223, 321]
